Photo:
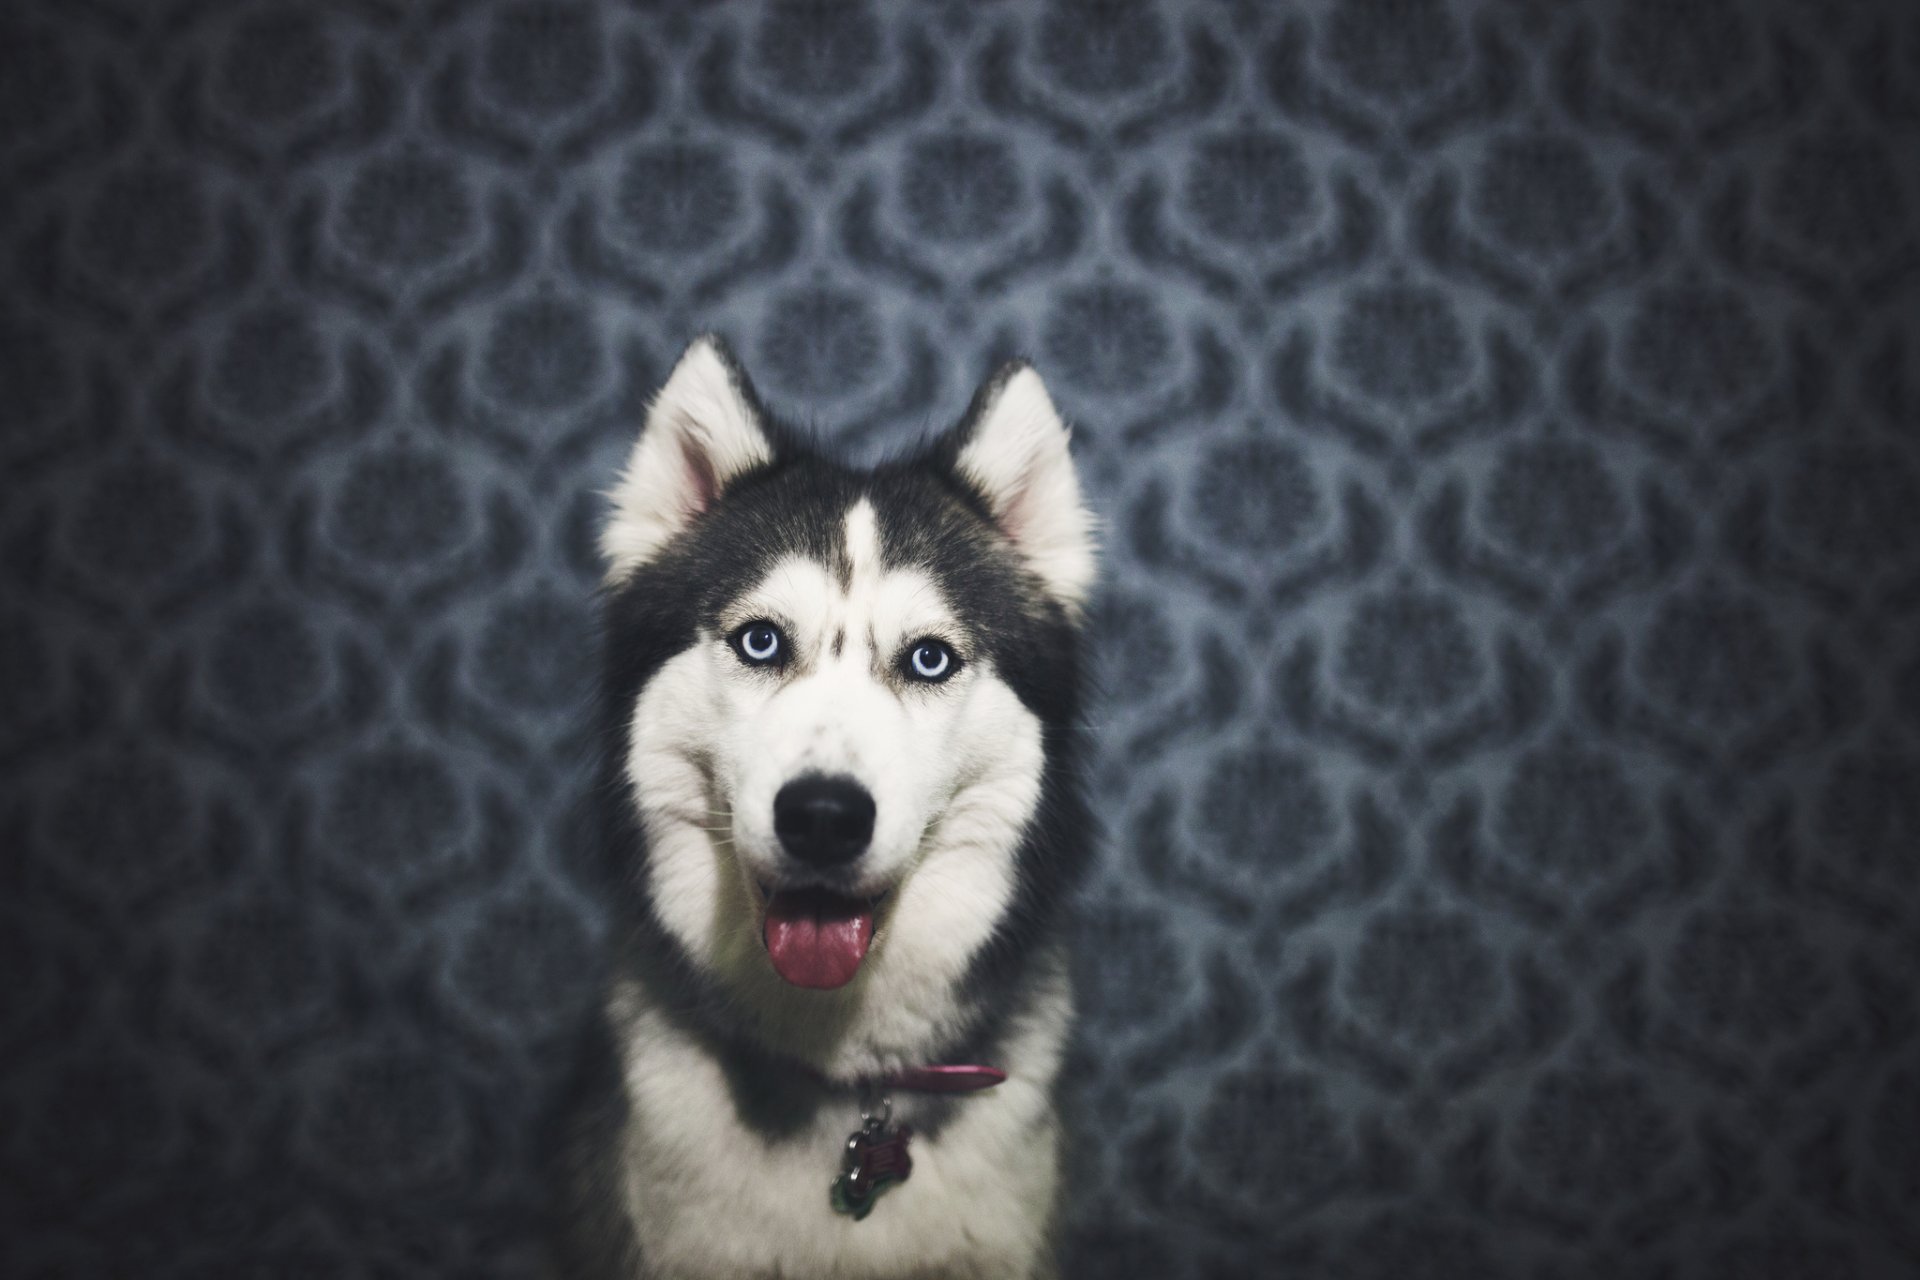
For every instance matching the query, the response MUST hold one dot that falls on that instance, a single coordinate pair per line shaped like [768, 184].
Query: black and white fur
[721, 1097]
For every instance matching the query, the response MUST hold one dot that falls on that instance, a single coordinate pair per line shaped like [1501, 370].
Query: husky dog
[841, 711]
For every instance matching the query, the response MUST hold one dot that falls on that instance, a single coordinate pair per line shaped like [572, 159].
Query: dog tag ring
[875, 1159]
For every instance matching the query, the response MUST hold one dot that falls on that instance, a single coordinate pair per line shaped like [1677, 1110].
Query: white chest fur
[710, 1196]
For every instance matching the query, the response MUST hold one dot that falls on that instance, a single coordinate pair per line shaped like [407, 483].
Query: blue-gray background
[1506, 422]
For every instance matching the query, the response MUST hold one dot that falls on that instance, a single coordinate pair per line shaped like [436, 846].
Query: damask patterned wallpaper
[1506, 422]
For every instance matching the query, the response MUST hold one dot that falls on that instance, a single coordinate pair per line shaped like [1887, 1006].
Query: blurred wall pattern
[1506, 422]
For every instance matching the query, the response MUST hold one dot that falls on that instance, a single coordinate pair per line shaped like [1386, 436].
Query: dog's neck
[777, 1096]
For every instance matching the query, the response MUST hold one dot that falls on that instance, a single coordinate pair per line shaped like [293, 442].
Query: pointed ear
[702, 433]
[1012, 449]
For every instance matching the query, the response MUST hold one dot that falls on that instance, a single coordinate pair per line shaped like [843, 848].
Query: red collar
[961, 1078]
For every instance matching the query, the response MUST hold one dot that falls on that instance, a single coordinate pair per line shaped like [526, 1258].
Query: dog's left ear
[1011, 448]
[703, 432]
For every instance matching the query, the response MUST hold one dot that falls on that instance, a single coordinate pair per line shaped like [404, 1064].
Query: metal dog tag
[875, 1159]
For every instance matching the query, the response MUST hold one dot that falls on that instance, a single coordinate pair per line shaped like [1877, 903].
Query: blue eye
[931, 661]
[760, 644]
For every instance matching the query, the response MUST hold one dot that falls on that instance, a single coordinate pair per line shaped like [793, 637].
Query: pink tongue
[817, 939]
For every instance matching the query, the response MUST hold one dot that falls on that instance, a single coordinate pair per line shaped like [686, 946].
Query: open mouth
[817, 938]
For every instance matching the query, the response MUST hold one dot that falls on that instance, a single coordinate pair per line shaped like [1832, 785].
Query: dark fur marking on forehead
[931, 523]
[796, 508]
[841, 565]
[839, 641]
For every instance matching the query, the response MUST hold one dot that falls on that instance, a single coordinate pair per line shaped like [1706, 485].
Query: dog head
[844, 703]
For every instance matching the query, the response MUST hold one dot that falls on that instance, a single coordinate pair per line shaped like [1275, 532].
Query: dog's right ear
[703, 432]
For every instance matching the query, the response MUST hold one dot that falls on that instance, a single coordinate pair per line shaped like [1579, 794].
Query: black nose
[823, 821]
